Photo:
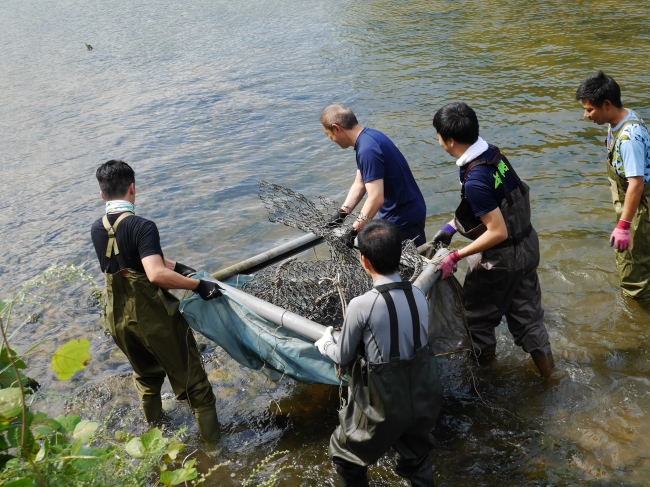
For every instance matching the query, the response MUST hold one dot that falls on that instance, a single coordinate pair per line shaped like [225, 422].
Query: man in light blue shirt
[628, 171]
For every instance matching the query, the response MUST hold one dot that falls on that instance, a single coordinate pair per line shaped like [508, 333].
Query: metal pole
[276, 314]
[269, 257]
[430, 274]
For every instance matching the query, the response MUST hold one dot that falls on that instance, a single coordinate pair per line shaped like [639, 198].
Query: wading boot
[353, 475]
[544, 363]
[152, 407]
[206, 419]
[419, 471]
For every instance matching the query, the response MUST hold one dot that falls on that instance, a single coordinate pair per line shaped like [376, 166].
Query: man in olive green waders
[394, 394]
[494, 212]
[628, 171]
[142, 316]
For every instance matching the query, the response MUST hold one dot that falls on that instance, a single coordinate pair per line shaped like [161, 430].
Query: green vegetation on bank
[37, 450]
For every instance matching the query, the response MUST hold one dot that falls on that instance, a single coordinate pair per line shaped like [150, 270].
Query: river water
[206, 98]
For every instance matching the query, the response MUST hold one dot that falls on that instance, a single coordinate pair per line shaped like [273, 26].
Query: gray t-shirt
[358, 327]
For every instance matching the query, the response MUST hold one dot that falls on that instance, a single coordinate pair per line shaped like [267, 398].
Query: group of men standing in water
[394, 394]
[387, 407]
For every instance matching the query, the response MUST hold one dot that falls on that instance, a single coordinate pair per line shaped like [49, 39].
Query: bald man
[382, 172]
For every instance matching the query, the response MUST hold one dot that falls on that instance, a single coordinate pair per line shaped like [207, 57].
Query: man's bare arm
[357, 191]
[160, 275]
[373, 202]
[632, 197]
[496, 233]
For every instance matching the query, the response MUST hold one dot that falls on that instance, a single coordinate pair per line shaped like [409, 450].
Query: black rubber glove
[348, 238]
[183, 270]
[337, 218]
[442, 237]
[208, 290]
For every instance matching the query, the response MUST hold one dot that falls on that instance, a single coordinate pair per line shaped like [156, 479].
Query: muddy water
[207, 98]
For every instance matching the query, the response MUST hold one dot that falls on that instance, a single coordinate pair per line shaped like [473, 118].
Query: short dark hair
[380, 241]
[457, 121]
[339, 115]
[114, 178]
[599, 87]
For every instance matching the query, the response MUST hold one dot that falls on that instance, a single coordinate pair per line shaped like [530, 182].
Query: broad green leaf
[20, 483]
[3, 443]
[70, 358]
[135, 448]
[67, 423]
[85, 430]
[39, 418]
[166, 478]
[153, 440]
[44, 451]
[176, 477]
[43, 431]
[10, 403]
[4, 359]
[4, 458]
[13, 435]
[76, 448]
[173, 449]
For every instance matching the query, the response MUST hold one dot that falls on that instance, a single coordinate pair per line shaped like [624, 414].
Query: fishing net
[319, 290]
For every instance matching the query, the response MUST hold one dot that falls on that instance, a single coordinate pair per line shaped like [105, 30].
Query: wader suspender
[495, 162]
[112, 240]
[610, 152]
[392, 316]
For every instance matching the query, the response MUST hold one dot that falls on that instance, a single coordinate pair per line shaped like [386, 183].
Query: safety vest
[515, 205]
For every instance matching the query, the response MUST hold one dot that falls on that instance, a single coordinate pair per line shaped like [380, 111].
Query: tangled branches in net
[319, 290]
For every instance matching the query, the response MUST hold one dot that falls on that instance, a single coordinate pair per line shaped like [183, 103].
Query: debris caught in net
[319, 290]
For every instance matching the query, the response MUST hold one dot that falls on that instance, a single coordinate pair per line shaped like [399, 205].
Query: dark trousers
[415, 232]
[504, 282]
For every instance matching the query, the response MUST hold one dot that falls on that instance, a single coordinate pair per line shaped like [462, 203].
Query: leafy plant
[36, 450]
[253, 478]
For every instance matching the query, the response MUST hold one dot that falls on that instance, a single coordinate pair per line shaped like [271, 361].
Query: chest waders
[633, 265]
[502, 281]
[390, 404]
[146, 324]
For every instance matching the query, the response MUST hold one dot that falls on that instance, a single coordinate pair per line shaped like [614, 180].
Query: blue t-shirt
[485, 185]
[631, 155]
[379, 158]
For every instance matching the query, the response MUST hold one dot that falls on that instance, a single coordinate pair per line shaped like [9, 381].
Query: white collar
[472, 152]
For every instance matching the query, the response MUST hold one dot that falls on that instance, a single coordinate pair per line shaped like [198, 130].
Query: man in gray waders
[394, 394]
[628, 171]
[142, 316]
[494, 212]
[382, 172]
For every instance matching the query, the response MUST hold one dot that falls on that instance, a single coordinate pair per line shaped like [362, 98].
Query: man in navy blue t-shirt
[382, 172]
[503, 257]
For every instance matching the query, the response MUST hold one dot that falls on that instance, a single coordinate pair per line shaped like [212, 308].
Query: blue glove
[444, 236]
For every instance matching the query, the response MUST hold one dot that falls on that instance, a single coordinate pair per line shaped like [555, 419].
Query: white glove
[325, 341]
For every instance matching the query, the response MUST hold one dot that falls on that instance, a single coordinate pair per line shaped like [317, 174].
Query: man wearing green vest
[628, 171]
[141, 314]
